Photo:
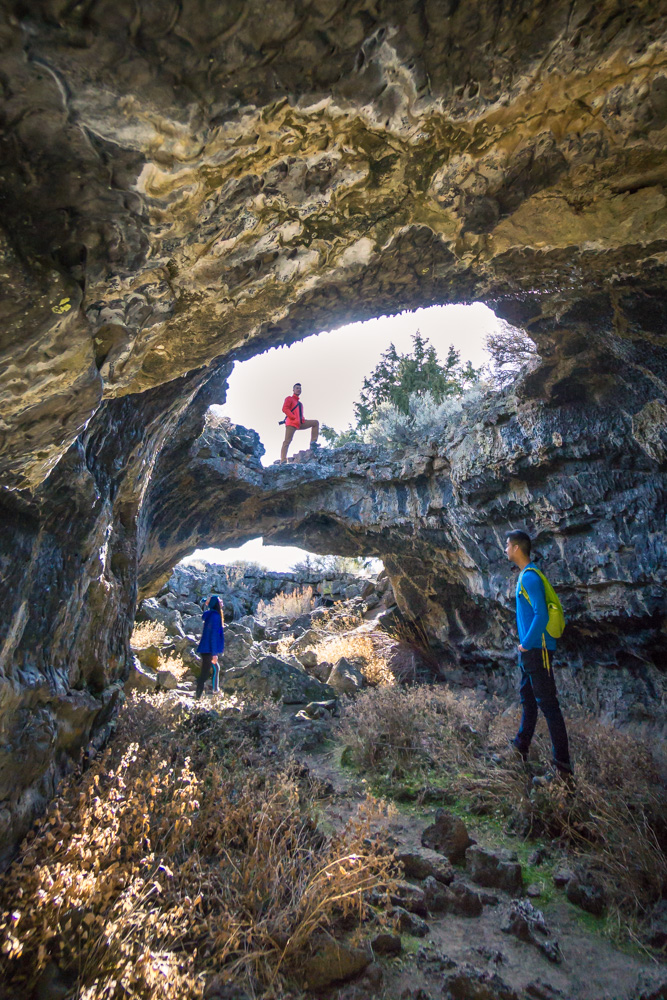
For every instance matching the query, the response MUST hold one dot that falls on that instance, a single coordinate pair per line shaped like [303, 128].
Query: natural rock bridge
[184, 184]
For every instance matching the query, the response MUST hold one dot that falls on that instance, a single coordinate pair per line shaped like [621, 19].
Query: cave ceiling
[186, 182]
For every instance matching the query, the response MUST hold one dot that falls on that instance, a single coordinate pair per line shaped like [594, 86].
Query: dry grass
[615, 821]
[337, 619]
[367, 650]
[148, 634]
[174, 663]
[297, 602]
[181, 853]
[405, 730]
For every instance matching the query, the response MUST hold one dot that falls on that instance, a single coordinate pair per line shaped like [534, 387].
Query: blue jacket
[532, 616]
[213, 636]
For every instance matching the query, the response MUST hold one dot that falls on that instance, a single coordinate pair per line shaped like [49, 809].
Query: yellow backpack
[556, 624]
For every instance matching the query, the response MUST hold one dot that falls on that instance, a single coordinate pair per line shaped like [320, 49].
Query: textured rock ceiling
[182, 181]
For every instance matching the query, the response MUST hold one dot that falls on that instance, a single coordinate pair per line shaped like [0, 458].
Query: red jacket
[293, 410]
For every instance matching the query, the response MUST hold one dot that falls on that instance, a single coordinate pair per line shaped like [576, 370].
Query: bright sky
[331, 367]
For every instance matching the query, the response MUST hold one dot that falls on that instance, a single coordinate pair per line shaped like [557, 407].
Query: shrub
[512, 352]
[176, 857]
[397, 730]
[614, 821]
[297, 602]
[148, 634]
[369, 650]
[174, 663]
[425, 420]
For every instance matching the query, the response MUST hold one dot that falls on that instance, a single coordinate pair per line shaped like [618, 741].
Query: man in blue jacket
[536, 648]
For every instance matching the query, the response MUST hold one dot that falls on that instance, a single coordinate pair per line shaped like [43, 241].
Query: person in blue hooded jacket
[536, 647]
[211, 644]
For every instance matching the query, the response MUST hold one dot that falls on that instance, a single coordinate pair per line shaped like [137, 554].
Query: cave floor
[592, 967]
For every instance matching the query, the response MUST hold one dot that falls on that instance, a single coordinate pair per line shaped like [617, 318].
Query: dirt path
[591, 967]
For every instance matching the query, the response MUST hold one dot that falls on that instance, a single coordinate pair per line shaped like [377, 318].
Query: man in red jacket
[293, 410]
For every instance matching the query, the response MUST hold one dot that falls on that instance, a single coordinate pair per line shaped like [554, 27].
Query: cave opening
[333, 367]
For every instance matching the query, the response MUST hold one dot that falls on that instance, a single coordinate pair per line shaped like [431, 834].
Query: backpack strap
[524, 592]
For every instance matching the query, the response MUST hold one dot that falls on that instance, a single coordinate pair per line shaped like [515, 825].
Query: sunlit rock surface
[185, 183]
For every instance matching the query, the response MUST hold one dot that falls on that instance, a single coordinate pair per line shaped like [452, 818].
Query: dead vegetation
[183, 852]
[148, 634]
[453, 748]
[287, 605]
[369, 650]
[173, 662]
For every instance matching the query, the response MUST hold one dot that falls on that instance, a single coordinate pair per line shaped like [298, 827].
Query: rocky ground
[278, 654]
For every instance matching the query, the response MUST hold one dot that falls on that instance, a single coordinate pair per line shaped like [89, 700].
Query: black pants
[207, 665]
[538, 690]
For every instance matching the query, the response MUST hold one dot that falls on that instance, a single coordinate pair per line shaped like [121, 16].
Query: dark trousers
[538, 690]
[207, 665]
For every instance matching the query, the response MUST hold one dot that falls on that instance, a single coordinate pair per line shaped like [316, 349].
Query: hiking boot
[515, 753]
[314, 446]
[553, 777]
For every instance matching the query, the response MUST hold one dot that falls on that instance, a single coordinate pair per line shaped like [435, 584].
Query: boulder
[387, 944]
[435, 895]
[651, 985]
[463, 900]
[308, 659]
[321, 671]
[310, 637]
[332, 962]
[257, 629]
[238, 645]
[166, 680]
[447, 835]
[494, 869]
[458, 898]
[345, 678]
[189, 609]
[140, 679]
[273, 678]
[562, 875]
[408, 923]
[469, 983]
[656, 932]
[426, 864]
[193, 623]
[295, 662]
[303, 622]
[148, 656]
[410, 897]
[586, 893]
[168, 617]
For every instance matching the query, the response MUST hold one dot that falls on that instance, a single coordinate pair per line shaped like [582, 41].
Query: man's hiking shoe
[314, 446]
[555, 777]
[510, 756]
[514, 753]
